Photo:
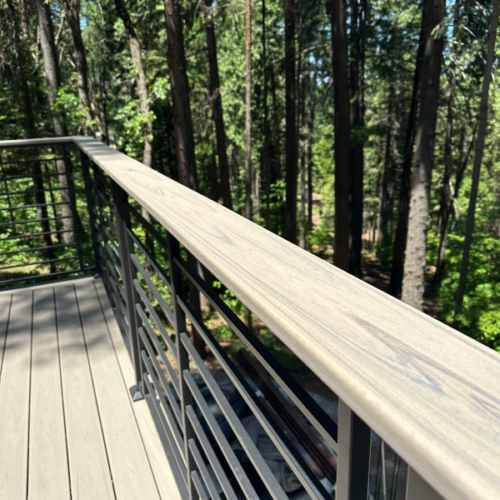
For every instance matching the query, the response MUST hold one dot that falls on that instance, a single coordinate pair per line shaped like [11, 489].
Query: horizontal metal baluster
[308, 480]
[210, 453]
[272, 484]
[158, 269]
[202, 468]
[163, 332]
[202, 495]
[161, 353]
[222, 441]
[353, 460]
[161, 301]
[166, 426]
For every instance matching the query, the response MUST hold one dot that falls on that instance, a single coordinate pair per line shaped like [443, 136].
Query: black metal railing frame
[42, 205]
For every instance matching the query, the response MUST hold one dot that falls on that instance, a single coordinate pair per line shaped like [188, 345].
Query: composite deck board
[15, 399]
[88, 463]
[48, 462]
[5, 301]
[128, 460]
[162, 471]
[68, 427]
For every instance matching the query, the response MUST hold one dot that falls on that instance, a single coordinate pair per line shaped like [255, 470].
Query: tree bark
[248, 110]
[84, 92]
[266, 159]
[478, 159]
[216, 100]
[180, 96]
[183, 126]
[140, 78]
[357, 70]
[446, 194]
[53, 79]
[310, 143]
[414, 268]
[396, 283]
[342, 144]
[291, 147]
[21, 43]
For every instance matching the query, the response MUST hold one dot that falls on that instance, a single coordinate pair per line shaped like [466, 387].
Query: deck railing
[429, 392]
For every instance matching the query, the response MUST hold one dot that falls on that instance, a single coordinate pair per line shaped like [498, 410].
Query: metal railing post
[182, 355]
[93, 222]
[354, 441]
[126, 249]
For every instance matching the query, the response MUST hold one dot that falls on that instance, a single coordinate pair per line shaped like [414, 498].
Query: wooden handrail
[430, 392]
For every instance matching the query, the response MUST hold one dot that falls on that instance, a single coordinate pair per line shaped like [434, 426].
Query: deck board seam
[95, 393]
[127, 389]
[5, 337]
[62, 394]
[29, 396]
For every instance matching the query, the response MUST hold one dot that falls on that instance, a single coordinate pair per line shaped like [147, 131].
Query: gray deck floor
[68, 428]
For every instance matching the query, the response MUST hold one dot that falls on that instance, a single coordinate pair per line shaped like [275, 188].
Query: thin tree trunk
[183, 126]
[53, 79]
[414, 268]
[216, 101]
[248, 110]
[310, 143]
[84, 93]
[478, 159]
[276, 171]
[396, 283]
[357, 69]
[266, 160]
[342, 131]
[142, 92]
[446, 193]
[291, 147]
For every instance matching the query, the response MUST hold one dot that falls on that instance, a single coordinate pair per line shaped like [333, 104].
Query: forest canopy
[365, 131]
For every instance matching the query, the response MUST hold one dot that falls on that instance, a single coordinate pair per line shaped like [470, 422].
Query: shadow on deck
[68, 427]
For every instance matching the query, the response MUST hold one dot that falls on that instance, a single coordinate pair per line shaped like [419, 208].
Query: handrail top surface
[432, 393]
[42, 141]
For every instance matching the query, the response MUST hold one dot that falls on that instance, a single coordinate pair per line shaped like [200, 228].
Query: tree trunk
[140, 78]
[404, 194]
[84, 93]
[266, 160]
[414, 268]
[310, 143]
[446, 193]
[386, 196]
[357, 70]
[183, 126]
[216, 100]
[21, 43]
[291, 148]
[342, 146]
[248, 111]
[53, 79]
[478, 158]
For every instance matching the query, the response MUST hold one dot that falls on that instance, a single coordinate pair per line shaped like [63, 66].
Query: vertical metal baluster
[93, 220]
[182, 355]
[122, 217]
[72, 200]
[417, 488]
[353, 471]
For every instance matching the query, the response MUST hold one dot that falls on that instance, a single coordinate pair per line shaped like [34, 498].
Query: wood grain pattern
[430, 392]
[165, 480]
[48, 473]
[88, 463]
[15, 399]
[132, 475]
